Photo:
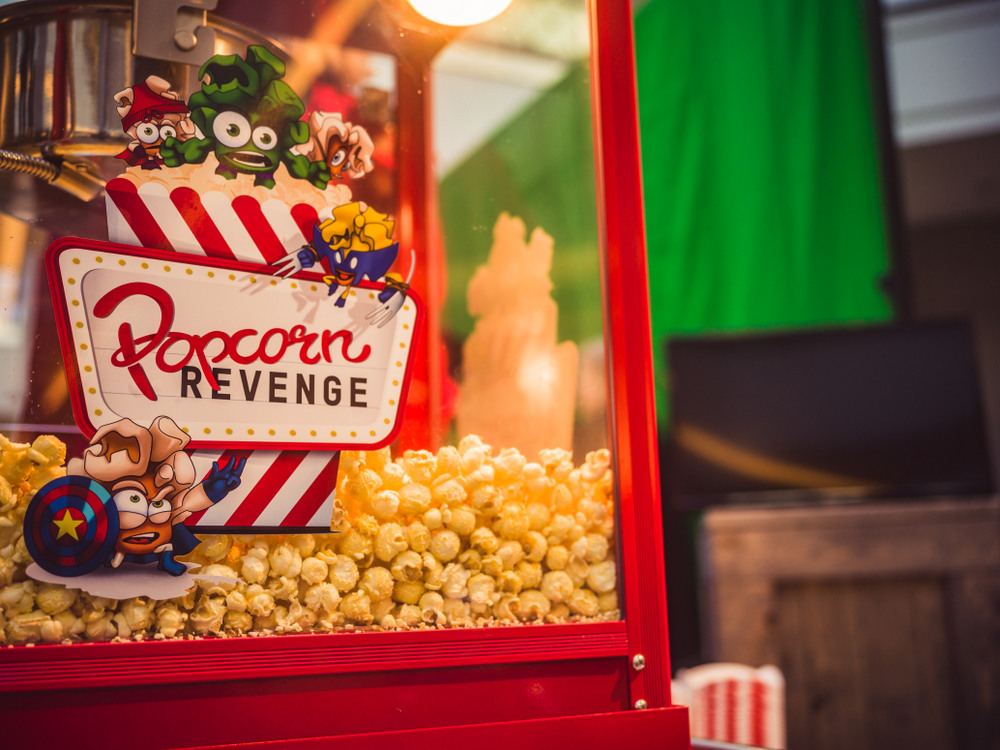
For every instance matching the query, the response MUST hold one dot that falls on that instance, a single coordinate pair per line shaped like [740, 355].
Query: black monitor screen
[881, 411]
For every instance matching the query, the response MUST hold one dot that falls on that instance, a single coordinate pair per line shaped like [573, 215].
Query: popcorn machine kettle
[301, 416]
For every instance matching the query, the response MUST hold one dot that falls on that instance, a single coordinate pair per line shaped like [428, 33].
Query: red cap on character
[148, 106]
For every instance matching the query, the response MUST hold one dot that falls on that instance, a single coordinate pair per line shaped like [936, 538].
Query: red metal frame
[547, 684]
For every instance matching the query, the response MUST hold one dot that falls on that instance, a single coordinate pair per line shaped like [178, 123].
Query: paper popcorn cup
[190, 209]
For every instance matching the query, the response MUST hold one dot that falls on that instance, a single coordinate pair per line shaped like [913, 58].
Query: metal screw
[641, 704]
[185, 40]
[638, 662]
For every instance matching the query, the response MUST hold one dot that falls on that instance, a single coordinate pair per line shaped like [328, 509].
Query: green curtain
[539, 167]
[761, 170]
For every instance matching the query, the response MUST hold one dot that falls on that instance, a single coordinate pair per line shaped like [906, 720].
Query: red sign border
[74, 379]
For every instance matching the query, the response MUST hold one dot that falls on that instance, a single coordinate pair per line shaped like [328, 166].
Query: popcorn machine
[327, 412]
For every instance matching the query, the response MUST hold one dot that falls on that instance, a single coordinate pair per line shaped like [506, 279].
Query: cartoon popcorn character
[150, 114]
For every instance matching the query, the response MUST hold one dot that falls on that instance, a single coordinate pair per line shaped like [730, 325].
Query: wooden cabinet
[884, 618]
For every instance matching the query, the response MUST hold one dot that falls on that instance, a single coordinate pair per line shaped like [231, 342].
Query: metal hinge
[174, 30]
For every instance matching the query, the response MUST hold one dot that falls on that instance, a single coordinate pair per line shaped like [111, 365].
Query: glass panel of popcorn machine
[323, 376]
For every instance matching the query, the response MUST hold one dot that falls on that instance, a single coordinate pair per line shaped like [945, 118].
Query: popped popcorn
[466, 536]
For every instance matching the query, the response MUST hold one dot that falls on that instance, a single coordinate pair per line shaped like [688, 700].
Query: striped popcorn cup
[210, 223]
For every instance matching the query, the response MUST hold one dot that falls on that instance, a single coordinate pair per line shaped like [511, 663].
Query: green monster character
[250, 119]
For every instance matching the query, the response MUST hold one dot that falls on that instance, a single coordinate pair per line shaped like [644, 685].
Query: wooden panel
[975, 605]
[885, 618]
[866, 665]
[854, 540]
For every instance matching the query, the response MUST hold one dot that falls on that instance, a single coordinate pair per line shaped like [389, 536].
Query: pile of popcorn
[459, 538]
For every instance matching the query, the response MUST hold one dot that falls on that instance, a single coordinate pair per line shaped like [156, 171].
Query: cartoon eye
[168, 131]
[354, 262]
[131, 501]
[264, 138]
[147, 133]
[338, 158]
[159, 511]
[231, 129]
[337, 258]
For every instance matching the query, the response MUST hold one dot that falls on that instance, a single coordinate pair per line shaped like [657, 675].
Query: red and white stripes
[212, 223]
[279, 490]
[734, 703]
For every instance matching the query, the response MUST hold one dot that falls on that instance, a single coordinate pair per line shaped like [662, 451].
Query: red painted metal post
[630, 363]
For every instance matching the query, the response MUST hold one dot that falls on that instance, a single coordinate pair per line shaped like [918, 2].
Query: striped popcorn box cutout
[734, 703]
[282, 491]
[212, 223]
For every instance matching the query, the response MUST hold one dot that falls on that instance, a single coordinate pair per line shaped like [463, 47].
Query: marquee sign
[236, 356]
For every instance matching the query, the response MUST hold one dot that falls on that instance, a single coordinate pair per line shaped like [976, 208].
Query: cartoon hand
[192, 151]
[317, 172]
[291, 264]
[220, 482]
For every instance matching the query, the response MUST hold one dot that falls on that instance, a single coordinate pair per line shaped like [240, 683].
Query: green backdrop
[761, 175]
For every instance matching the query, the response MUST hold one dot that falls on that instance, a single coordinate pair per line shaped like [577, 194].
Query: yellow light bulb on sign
[459, 12]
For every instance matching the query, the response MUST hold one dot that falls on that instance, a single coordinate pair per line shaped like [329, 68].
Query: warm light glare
[459, 12]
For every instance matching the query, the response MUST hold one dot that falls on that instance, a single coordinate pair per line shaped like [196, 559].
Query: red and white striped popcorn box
[210, 223]
[281, 490]
[734, 703]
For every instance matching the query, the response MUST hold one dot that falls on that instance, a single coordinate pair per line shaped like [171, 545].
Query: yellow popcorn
[169, 619]
[419, 466]
[450, 491]
[534, 605]
[445, 545]
[408, 615]
[414, 499]
[137, 614]
[535, 546]
[285, 560]
[530, 574]
[357, 606]
[557, 586]
[390, 541]
[608, 602]
[471, 560]
[344, 573]
[507, 607]
[454, 580]
[513, 521]
[385, 504]
[509, 582]
[53, 599]
[322, 597]
[448, 461]
[583, 602]
[237, 622]
[378, 583]
[461, 537]
[456, 611]
[418, 536]
[602, 577]
[460, 520]
[510, 553]
[408, 592]
[484, 541]
[481, 590]
[407, 566]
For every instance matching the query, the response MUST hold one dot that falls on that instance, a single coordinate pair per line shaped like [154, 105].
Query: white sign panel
[234, 355]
